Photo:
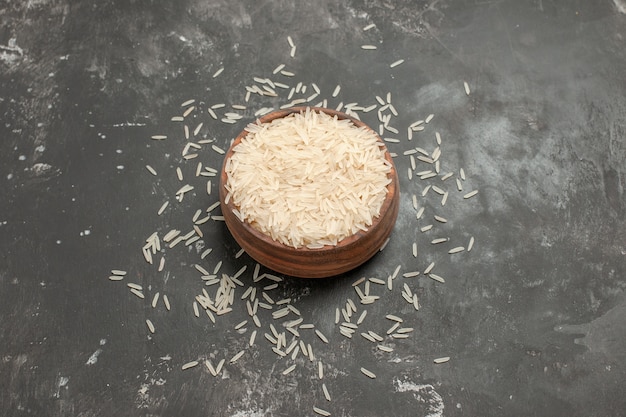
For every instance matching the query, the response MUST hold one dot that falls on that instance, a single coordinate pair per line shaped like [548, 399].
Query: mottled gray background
[533, 318]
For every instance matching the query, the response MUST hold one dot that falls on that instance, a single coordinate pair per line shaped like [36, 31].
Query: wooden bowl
[303, 262]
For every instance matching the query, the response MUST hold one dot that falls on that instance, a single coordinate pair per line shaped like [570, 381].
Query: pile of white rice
[308, 179]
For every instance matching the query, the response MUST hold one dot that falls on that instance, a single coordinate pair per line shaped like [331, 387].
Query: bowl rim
[392, 187]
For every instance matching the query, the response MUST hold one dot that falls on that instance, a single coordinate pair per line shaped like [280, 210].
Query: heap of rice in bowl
[308, 179]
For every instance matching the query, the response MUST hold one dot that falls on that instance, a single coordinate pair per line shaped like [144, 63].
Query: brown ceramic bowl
[303, 262]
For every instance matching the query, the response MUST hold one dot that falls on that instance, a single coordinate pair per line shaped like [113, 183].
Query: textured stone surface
[532, 317]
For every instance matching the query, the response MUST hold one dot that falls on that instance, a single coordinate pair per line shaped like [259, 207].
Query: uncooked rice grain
[470, 194]
[446, 176]
[325, 391]
[237, 356]
[190, 365]
[188, 111]
[321, 411]
[163, 207]
[151, 170]
[368, 373]
[218, 368]
[320, 196]
[137, 293]
[436, 278]
[470, 245]
[289, 369]
[150, 325]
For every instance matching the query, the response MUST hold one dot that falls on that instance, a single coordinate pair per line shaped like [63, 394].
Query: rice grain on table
[210, 367]
[470, 245]
[368, 47]
[162, 208]
[188, 111]
[467, 87]
[384, 245]
[289, 369]
[150, 326]
[190, 365]
[442, 360]
[393, 328]
[437, 278]
[361, 317]
[456, 249]
[396, 63]
[237, 356]
[321, 411]
[219, 366]
[151, 170]
[155, 299]
[470, 194]
[137, 292]
[326, 393]
[368, 373]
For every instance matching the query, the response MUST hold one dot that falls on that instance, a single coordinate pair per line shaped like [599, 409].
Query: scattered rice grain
[190, 365]
[368, 373]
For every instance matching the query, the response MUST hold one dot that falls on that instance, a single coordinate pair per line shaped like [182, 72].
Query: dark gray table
[532, 317]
